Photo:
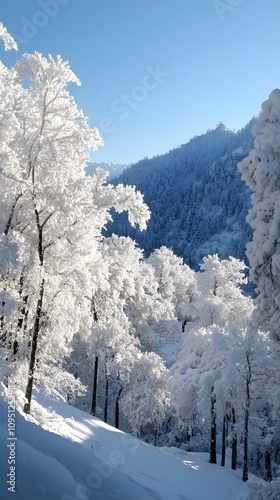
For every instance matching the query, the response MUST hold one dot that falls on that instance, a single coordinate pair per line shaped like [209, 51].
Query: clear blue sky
[219, 62]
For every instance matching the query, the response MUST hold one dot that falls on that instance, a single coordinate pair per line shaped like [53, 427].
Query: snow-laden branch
[9, 42]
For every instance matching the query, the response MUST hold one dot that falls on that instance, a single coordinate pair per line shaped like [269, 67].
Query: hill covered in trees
[196, 196]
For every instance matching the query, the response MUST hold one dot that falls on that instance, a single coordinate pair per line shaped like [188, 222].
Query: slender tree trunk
[267, 466]
[184, 324]
[21, 325]
[22, 316]
[2, 317]
[234, 440]
[36, 327]
[259, 462]
[34, 343]
[23, 313]
[3, 337]
[213, 432]
[228, 411]
[11, 215]
[5, 232]
[245, 474]
[15, 349]
[93, 310]
[117, 408]
[94, 389]
[106, 401]
[223, 458]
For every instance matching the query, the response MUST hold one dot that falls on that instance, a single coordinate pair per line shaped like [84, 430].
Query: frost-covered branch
[9, 42]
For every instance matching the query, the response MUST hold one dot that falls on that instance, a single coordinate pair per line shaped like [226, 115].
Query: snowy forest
[197, 198]
[167, 344]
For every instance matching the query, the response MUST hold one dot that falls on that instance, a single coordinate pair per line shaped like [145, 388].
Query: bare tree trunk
[22, 322]
[3, 337]
[23, 313]
[106, 401]
[223, 458]
[10, 219]
[213, 433]
[156, 435]
[245, 475]
[34, 343]
[36, 327]
[184, 324]
[267, 467]
[94, 390]
[234, 440]
[117, 408]
[228, 414]
[5, 232]
[2, 317]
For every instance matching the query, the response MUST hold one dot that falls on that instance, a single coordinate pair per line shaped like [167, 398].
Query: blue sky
[154, 72]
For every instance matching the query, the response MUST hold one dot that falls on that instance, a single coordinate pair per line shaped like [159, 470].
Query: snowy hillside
[197, 198]
[78, 457]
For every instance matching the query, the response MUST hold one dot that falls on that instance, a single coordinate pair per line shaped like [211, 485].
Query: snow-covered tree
[257, 489]
[219, 390]
[220, 299]
[261, 172]
[176, 283]
[147, 399]
[52, 212]
[200, 365]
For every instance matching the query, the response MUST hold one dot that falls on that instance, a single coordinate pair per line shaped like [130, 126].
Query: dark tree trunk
[4, 335]
[10, 219]
[245, 474]
[117, 408]
[156, 435]
[106, 396]
[21, 325]
[234, 440]
[15, 349]
[5, 232]
[2, 317]
[93, 310]
[36, 327]
[259, 462]
[228, 412]
[34, 343]
[267, 467]
[23, 313]
[94, 389]
[213, 433]
[223, 458]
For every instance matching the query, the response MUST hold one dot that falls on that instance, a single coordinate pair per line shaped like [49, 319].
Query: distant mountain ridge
[114, 169]
[197, 198]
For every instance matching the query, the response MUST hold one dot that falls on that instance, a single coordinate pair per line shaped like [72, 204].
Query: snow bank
[78, 457]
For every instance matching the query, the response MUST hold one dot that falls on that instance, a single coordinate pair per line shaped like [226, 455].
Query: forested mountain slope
[198, 201]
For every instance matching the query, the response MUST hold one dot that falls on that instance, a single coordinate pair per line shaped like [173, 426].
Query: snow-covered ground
[73, 456]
